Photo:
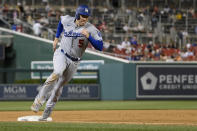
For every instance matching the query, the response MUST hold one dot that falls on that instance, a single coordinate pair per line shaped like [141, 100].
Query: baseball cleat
[35, 107]
[42, 119]
[47, 113]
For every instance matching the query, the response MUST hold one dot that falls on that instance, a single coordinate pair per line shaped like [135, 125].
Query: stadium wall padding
[111, 79]
[28, 50]
[129, 83]
[118, 82]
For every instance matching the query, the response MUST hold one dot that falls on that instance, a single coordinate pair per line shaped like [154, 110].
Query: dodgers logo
[86, 10]
[71, 33]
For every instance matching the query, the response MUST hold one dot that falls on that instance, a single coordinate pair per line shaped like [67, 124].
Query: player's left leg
[44, 92]
[56, 93]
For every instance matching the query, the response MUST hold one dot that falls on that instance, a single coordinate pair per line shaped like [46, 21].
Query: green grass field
[105, 105]
[97, 105]
[21, 126]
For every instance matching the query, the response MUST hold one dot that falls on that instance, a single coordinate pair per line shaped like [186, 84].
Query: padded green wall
[118, 81]
[28, 50]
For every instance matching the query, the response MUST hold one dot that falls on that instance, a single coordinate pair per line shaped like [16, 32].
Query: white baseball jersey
[73, 42]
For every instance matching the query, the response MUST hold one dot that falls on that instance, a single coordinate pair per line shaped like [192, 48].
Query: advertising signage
[29, 91]
[166, 81]
[84, 65]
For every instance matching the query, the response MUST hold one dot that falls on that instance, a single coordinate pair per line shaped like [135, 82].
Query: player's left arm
[95, 39]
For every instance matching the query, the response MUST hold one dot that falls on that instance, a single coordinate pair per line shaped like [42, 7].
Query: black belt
[70, 57]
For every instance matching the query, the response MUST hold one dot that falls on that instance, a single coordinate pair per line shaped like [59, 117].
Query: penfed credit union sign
[166, 81]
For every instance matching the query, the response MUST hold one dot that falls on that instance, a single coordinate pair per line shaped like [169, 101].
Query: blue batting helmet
[82, 10]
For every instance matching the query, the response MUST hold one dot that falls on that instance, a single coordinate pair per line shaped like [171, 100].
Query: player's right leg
[46, 89]
[44, 92]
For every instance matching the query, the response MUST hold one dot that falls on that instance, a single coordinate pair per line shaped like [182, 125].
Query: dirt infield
[183, 117]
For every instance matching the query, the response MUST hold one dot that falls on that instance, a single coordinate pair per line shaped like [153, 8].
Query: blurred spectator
[121, 48]
[44, 21]
[58, 14]
[191, 12]
[172, 18]
[62, 9]
[173, 34]
[44, 2]
[105, 9]
[102, 27]
[166, 9]
[19, 28]
[106, 45]
[29, 19]
[154, 20]
[47, 8]
[111, 46]
[189, 54]
[126, 28]
[156, 9]
[5, 10]
[157, 54]
[195, 14]
[20, 10]
[170, 59]
[139, 28]
[37, 28]
[140, 17]
[125, 44]
[13, 27]
[15, 15]
[195, 30]
[1, 12]
[183, 54]
[178, 15]
[188, 46]
[134, 40]
[178, 57]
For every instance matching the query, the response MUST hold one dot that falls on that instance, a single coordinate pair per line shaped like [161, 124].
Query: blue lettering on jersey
[99, 34]
[72, 34]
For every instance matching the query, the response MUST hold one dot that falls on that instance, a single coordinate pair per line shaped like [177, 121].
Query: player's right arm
[58, 33]
[94, 37]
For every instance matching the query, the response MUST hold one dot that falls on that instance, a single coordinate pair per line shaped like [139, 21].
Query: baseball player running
[77, 33]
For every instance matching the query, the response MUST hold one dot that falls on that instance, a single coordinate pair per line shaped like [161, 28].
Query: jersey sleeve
[95, 38]
[59, 29]
[65, 19]
[95, 33]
